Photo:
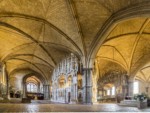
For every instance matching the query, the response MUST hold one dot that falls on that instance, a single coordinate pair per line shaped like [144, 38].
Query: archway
[142, 81]
[107, 93]
[33, 85]
[34, 88]
[126, 48]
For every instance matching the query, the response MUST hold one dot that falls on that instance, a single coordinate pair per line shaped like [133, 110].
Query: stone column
[56, 94]
[38, 88]
[130, 88]
[24, 90]
[6, 81]
[110, 92]
[74, 90]
[124, 91]
[3, 75]
[46, 91]
[1, 81]
[87, 86]
[65, 96]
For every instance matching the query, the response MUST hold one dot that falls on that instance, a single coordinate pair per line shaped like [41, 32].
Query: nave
[72, 54]
[47, 106]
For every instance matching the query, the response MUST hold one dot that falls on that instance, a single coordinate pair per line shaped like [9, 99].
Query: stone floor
[46, 106]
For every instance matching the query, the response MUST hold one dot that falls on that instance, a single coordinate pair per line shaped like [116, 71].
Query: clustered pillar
[5, 82]
[87, 86]
[74, 90]
[130, 88]
[46, 91]
[24, 90]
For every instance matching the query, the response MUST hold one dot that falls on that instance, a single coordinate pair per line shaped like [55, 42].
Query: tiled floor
[51, 107]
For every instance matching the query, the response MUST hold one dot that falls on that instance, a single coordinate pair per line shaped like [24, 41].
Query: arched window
[31, 87]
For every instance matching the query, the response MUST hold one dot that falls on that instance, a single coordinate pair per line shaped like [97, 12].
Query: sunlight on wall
[113, 90]
[136, 87]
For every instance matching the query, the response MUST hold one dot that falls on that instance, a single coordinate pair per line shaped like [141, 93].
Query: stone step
[132, 103]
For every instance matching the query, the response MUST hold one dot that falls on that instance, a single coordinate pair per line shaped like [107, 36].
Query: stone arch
[37, 75]
[140, 10]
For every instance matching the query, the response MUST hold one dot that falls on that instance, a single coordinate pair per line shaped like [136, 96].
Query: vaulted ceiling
[36, 34]
[33, 79]
[128, 45]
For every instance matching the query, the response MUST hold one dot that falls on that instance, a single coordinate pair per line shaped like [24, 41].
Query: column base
[46, 99]
[73, 102]
[6, 97]
[91, 103]
[1, 98]
[95, 102]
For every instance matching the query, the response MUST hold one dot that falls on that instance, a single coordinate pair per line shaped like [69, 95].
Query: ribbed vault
[33, 79]
[128, 46]
[37, 35]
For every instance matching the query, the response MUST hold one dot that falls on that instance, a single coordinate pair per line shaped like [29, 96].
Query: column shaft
[6, 81]
[130, 88]
[24, 90]
[46, 92]
[74, 91]
[87, 86]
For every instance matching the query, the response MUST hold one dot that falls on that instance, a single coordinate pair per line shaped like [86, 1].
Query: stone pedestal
[129, 103]
[73, 102]
[142, 105]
